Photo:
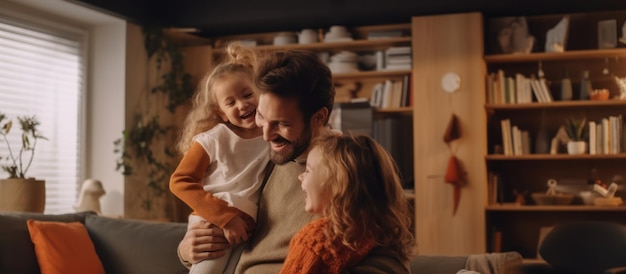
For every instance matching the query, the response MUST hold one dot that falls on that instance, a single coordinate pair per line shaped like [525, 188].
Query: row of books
[394, 58]
[391, 94]
[606, 136]
[495, 191]
[514, 140]
[502, 89]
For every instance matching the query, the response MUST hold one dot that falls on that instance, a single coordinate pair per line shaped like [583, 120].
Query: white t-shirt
[235, 173]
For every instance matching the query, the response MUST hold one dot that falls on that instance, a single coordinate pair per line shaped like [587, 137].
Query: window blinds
[42, 73]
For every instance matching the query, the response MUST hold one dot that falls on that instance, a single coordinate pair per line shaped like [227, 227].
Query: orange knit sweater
[309, 251]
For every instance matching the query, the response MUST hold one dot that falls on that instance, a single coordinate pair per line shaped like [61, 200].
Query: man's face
[283, 127]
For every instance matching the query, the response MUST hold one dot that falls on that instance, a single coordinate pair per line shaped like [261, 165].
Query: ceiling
[214, 18]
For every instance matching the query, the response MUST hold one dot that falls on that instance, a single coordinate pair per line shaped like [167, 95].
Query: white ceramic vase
[576, 147]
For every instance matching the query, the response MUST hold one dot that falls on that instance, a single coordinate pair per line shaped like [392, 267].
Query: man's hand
[202, 241]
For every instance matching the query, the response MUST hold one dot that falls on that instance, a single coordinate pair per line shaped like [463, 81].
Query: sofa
[122, 245]
[134, 246]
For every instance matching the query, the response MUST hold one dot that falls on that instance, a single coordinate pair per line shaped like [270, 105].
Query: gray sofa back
[124, 246]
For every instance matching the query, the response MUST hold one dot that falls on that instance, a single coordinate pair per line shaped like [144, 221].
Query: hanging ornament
[455, 175]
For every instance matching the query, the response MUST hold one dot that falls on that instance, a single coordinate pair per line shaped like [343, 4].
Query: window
[42, 73]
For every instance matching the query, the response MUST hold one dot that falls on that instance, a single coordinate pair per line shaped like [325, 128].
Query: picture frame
[607, 34]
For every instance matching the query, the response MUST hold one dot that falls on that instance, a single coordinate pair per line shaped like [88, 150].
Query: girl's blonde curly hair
[366, 196]
[204, 113]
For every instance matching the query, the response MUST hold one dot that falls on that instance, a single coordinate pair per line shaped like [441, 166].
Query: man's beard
[292, 149]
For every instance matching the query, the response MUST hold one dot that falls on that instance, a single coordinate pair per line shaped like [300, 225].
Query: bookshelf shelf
[357, 45]
[549, 157]
[363, 74]
[400, 110]
[562, 56]
[573, 208]
[556, 104]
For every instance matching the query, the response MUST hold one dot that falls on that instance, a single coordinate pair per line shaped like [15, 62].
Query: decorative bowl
[556, 199]
[601, 201]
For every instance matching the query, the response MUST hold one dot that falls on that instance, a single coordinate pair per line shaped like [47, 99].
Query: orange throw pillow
[64, 248]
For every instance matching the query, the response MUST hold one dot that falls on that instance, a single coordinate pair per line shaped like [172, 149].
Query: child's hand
[236, 231]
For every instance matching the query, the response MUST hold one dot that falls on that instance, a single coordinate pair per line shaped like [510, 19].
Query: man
[296, 99]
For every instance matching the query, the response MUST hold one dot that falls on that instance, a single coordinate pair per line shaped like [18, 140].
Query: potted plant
[18, 192]
[576, 132]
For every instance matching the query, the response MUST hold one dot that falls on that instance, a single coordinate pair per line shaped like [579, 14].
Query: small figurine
[89, 196]
[520, 197]
[621, 83]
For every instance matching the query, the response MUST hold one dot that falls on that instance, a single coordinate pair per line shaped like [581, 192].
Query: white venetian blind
[42, 73]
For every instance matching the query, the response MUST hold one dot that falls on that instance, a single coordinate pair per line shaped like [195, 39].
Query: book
[398, 51]
[376, 98]
[382, 34]
[517, 140]
[387, 94]
[404, 101]
[592, 137]
[545, 90]
[537, 91]
[507, 142]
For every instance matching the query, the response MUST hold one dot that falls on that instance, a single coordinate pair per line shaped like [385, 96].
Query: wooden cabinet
[514, 226]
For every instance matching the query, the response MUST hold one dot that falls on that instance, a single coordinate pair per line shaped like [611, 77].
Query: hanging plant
[143, 145]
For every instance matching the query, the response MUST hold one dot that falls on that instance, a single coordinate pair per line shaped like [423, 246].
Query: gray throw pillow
[132, 246]
[17, 253]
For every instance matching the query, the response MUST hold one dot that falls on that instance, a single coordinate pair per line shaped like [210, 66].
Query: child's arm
[239, 229]
[186, 184]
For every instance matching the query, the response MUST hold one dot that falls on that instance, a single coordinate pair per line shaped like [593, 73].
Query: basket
[556, 199]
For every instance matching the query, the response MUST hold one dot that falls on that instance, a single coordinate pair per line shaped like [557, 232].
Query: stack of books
[383, 34]
[394, 58]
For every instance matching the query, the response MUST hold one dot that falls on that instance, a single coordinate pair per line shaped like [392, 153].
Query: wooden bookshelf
[517, 226]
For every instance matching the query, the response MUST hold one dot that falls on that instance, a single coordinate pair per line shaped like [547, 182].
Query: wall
[105, 115]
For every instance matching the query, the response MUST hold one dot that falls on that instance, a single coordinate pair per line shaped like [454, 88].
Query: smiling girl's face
[313, 183]
[237, 100]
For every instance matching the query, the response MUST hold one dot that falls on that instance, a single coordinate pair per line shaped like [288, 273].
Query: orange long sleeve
[186, 184]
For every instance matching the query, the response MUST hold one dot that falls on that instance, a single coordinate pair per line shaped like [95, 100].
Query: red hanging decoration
[455, 175]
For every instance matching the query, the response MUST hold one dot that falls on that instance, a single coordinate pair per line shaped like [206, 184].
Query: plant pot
[22, 195]
[576, 147]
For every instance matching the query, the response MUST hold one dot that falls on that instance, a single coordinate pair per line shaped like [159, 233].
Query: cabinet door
[443, 44]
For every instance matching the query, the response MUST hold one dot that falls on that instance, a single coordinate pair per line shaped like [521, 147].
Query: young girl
[354, 184]
[221, 172]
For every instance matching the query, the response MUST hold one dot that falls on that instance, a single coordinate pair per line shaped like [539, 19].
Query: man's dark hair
[297, 74]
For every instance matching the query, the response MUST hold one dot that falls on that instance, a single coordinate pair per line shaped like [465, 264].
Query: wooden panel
[442, 44]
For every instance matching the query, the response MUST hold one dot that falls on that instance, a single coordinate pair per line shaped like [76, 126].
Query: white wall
[105, 106]
[105, 98]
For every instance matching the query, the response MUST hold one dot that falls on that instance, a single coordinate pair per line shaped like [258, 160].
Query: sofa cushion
[64, 248]
[17, 254]
[134, 246]
[438, 264]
